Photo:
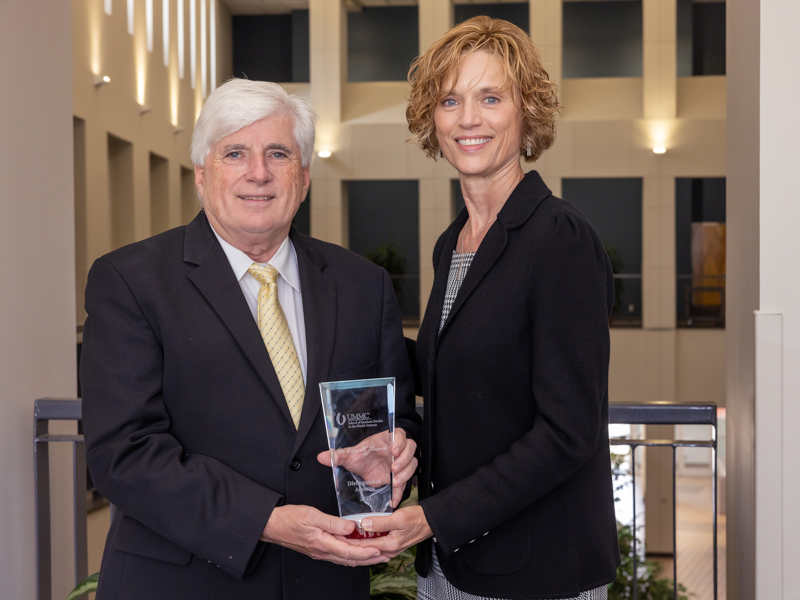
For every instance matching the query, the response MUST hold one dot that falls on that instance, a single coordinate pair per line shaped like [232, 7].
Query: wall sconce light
[659, 150]
[324, 153]
[144, 109]
[101, 80]
[176, 129]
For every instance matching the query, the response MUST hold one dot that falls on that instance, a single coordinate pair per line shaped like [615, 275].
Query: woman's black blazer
[516, 475]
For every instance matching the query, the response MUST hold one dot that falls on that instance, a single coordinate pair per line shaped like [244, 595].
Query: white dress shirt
[289, 296]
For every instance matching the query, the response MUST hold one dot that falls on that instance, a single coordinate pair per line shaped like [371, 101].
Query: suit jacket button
[295, 464]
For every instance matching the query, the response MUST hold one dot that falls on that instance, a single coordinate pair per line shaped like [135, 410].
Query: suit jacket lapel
[319, 312]
[215, 280]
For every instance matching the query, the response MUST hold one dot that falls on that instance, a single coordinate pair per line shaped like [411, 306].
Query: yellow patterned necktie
[278, 339]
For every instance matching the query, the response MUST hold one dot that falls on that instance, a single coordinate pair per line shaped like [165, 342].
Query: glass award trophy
[359, 418]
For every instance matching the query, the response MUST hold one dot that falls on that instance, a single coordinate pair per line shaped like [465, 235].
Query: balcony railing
[46, 410]
[627, 300]
[663, 413]
[701, 300]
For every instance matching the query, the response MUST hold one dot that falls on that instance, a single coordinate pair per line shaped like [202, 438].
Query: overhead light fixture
[144, 109]
[101, 80]
[659, 150]
[176, 129]
[324, 153]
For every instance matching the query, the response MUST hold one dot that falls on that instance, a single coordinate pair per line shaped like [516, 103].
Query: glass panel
[381, 43]
[602, 38]
[614, 208]
[383, 220]
[700, 233]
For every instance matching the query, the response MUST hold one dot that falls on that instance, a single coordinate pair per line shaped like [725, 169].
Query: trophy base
[359, 533]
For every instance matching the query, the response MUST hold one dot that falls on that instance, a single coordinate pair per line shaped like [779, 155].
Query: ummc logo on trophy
[340, 419]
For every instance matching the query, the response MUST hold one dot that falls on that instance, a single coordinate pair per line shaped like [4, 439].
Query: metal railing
[701, 300]
[663, 413]
[627, 310]
[46, 410]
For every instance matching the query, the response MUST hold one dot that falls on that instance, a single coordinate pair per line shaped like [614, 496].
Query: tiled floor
[695, 541]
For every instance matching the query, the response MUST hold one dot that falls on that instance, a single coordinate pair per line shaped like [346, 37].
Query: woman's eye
[448, 102]
[492, 100]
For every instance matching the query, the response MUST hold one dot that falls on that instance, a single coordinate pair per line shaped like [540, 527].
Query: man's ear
[198, 180]
[306, 180]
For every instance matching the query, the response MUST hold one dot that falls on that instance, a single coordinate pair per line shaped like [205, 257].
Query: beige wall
[103, 46]
[777, 328]
[37, 303]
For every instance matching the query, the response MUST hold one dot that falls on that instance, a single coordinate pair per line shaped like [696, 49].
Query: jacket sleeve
[194, 501]
[569, 295]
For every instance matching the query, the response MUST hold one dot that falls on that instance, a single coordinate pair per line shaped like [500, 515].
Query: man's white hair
[240, 102]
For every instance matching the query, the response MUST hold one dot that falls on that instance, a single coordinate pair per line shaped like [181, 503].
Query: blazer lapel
[489, 251]
[519, 207]
[319, 312]
[215, 280]
[436, 300]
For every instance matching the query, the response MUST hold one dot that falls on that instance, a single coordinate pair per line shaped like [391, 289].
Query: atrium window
[614, 208]
[602, 38]
[701, 38]
[381, 43]
[272, 47]
[700, 251]
[383, 220]
[513, 12]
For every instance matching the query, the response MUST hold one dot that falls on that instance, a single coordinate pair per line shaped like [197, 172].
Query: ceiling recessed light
[659, 150]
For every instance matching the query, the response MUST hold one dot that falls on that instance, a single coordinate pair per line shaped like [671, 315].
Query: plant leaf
[399, 584]
[84, 587]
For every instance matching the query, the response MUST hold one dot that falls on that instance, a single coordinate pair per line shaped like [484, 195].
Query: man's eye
[278, 155]
[234, 154]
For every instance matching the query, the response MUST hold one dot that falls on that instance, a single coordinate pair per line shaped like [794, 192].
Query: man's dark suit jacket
[516, 406]
[187, 429]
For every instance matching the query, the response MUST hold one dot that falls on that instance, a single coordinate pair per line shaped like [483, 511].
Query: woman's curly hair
[523, 67]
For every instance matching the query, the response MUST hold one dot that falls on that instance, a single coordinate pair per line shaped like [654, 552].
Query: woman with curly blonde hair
[516, 499]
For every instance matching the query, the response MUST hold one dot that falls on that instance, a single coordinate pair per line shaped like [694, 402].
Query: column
[660, 34]
[546, 29]
[777, 322]
[435, 215]
[328, 74]
[38, 275]
[435, 18]
[658, 252]
[742, 290]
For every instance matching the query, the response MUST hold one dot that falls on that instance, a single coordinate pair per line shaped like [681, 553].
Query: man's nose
[258, 169]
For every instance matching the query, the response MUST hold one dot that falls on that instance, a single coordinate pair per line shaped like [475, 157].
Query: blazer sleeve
[569, 296]
[194, 501]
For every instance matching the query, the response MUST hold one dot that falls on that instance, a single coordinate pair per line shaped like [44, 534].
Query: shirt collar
[285, 261]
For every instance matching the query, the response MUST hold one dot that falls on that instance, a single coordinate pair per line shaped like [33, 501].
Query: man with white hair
[202, 354]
